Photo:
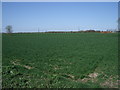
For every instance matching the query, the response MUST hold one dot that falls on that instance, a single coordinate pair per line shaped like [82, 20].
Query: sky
[50, 16]
[0, 16]
[60, 0]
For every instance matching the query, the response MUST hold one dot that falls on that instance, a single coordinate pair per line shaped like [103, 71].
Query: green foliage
[58, 60]
[9, 29]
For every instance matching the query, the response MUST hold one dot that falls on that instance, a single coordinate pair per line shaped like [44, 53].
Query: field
[60, 60]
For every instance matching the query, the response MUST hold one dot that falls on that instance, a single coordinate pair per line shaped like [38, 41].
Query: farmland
[60, 60]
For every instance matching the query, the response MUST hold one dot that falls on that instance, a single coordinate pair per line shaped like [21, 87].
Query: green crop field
[60, 60]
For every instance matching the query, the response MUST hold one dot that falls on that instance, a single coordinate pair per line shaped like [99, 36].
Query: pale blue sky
[29, 16]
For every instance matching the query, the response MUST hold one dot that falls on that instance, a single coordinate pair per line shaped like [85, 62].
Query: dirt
[110, 82]
[93, 75]
[18, 63]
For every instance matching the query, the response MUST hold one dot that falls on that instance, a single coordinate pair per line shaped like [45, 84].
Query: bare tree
[9, 29]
